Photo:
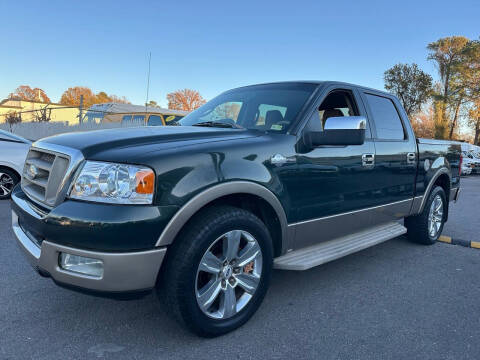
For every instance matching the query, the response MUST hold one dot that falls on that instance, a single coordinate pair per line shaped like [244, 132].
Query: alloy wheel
[435, 216]
[6, 184]
[228, 274]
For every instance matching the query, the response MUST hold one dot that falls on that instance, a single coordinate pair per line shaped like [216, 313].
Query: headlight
[114, 183]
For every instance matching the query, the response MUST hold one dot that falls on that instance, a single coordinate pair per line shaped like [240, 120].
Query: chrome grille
[47, 171]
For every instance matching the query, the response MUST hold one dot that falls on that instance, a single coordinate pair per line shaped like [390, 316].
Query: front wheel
[8, 180]
[217, 272]
[426, 227]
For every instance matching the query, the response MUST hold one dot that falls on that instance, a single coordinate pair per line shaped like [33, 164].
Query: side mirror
[342, 130]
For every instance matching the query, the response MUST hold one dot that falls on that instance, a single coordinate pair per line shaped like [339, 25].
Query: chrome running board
[324, 252]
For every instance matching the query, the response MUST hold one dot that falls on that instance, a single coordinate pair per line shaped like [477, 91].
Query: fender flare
[229, 188]
[439, 172]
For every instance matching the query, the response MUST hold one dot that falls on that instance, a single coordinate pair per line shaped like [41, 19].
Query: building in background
[32, 110]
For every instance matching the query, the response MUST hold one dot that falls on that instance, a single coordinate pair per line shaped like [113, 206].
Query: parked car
[128, 113]
[286, 175]
[475, 157]
[467, 163]
[13, 151]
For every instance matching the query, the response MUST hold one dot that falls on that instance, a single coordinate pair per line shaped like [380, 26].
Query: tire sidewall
[437, 191]
[204, 239]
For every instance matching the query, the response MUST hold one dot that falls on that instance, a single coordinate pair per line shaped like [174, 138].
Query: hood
[143, 139]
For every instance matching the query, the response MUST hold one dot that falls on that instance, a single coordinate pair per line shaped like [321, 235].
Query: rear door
[395, 156]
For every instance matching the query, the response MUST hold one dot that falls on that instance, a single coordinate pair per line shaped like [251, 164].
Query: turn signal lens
[145, 181]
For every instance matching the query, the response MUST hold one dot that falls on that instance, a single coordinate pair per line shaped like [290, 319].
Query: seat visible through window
[273, 117]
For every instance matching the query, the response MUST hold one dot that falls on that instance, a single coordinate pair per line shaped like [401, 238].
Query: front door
[334, 183]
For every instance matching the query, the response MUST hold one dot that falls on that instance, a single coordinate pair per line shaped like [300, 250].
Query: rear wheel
[8, 180]
[217, 273]
[426, 227]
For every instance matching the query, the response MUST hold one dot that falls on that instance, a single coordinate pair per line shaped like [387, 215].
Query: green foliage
[458, 62]
[410, 84]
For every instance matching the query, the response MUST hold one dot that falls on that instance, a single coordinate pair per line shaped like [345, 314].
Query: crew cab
[285, 175]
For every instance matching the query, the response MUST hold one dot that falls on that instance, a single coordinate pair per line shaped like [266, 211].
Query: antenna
[148, 78]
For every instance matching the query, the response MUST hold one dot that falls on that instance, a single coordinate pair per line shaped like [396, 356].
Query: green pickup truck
[285, 175]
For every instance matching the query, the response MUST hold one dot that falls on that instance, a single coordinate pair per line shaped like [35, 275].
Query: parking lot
[397, 300]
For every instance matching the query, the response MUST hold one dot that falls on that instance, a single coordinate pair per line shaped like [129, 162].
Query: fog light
[81, 265]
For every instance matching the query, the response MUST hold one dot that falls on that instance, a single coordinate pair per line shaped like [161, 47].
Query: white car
[13, 151]
[476, 160]
[468, 163]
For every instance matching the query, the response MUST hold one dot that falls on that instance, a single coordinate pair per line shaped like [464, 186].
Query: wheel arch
[441, 178]
[248, 195]
[2, 166]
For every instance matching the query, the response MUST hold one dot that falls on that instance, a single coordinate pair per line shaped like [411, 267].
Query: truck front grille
[43, 175]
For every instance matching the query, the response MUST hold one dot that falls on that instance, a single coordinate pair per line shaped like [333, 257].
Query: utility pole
[148, 79]
[80, 110]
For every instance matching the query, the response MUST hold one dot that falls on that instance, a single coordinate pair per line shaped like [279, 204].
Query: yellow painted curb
[475, 244]
[447, 239]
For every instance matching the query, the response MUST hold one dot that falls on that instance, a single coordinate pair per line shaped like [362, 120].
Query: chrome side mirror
[342, 130]
[346, 123]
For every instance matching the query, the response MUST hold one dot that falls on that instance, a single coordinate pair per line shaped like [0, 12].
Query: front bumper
[42, 240]
[122, 272]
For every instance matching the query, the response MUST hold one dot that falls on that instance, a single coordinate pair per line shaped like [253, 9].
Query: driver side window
[337, 104]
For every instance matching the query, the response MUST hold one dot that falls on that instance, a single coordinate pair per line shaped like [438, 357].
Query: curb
[461, 242]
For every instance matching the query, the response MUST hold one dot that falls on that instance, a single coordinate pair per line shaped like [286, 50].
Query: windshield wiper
[218, 124]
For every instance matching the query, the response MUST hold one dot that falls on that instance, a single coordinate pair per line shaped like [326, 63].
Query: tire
[183, 280]
[419, 228]
[8, 180]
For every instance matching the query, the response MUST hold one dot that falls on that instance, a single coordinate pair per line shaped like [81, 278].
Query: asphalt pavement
[397, 300]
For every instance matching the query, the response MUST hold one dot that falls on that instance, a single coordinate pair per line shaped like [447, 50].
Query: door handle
[368, 160]
[411, 158]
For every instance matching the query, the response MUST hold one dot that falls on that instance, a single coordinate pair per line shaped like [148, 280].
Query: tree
[410, 84]
[152, 103]
[119, 99]
[72, 95]
[25, 92]
[474, 122]
[12, 118]
[102, 97]
[450, 55]
[423, 123]
[186, 99]
[43, 114]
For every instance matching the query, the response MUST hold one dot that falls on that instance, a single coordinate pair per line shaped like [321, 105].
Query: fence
[37, 130]
[47, 121]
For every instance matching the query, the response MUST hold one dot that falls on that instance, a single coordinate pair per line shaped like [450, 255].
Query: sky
[212, 46]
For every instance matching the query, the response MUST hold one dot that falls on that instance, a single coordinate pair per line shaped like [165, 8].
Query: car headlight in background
[114, 183]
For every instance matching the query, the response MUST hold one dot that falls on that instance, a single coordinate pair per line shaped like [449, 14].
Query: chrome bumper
[123, 272]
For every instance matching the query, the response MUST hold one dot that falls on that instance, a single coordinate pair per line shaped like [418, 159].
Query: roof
[129, 108]
[29, 101]
[320, 82]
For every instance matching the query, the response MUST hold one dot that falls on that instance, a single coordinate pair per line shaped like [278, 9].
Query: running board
[322, 253]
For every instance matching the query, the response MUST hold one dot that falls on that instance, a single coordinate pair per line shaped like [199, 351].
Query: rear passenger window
[155, 120]
[386, 118]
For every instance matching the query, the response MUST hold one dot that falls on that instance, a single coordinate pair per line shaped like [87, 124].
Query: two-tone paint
[307, 192]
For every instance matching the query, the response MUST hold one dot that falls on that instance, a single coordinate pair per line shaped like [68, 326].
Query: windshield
[272, 107]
